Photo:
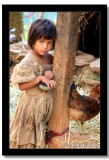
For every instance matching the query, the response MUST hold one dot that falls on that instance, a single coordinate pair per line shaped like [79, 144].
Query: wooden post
[64, 64]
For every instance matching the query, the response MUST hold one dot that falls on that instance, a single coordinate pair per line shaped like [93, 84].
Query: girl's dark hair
[41, 28]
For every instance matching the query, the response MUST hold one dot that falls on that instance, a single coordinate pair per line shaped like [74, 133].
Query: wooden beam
[63, 68]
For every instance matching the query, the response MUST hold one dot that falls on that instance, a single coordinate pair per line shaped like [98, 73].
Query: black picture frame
[103, 80]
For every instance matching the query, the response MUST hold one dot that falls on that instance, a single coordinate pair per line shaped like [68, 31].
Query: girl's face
[42, 46]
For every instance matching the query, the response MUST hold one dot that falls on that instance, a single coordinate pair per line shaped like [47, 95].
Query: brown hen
[82, 108]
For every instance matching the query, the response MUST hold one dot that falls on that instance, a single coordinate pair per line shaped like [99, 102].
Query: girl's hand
[48, 74]
[52, 84]
[49, 83]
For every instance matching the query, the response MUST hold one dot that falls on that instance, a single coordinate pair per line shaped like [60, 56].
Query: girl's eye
[41, 41]
[50, 42]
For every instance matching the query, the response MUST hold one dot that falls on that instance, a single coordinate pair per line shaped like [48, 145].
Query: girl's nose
[45, 45]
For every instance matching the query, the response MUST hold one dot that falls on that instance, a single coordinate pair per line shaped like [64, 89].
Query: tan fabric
[34, 108]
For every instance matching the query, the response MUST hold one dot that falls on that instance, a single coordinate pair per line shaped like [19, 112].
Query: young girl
[34, 108]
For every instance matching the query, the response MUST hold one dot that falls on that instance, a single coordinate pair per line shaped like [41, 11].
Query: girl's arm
[48, 73]
[27, 85]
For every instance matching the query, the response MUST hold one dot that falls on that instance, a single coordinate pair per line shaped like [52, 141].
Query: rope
[51, 133]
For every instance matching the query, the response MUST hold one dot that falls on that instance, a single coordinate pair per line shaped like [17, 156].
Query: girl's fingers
[52, 84]
[49, 75]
